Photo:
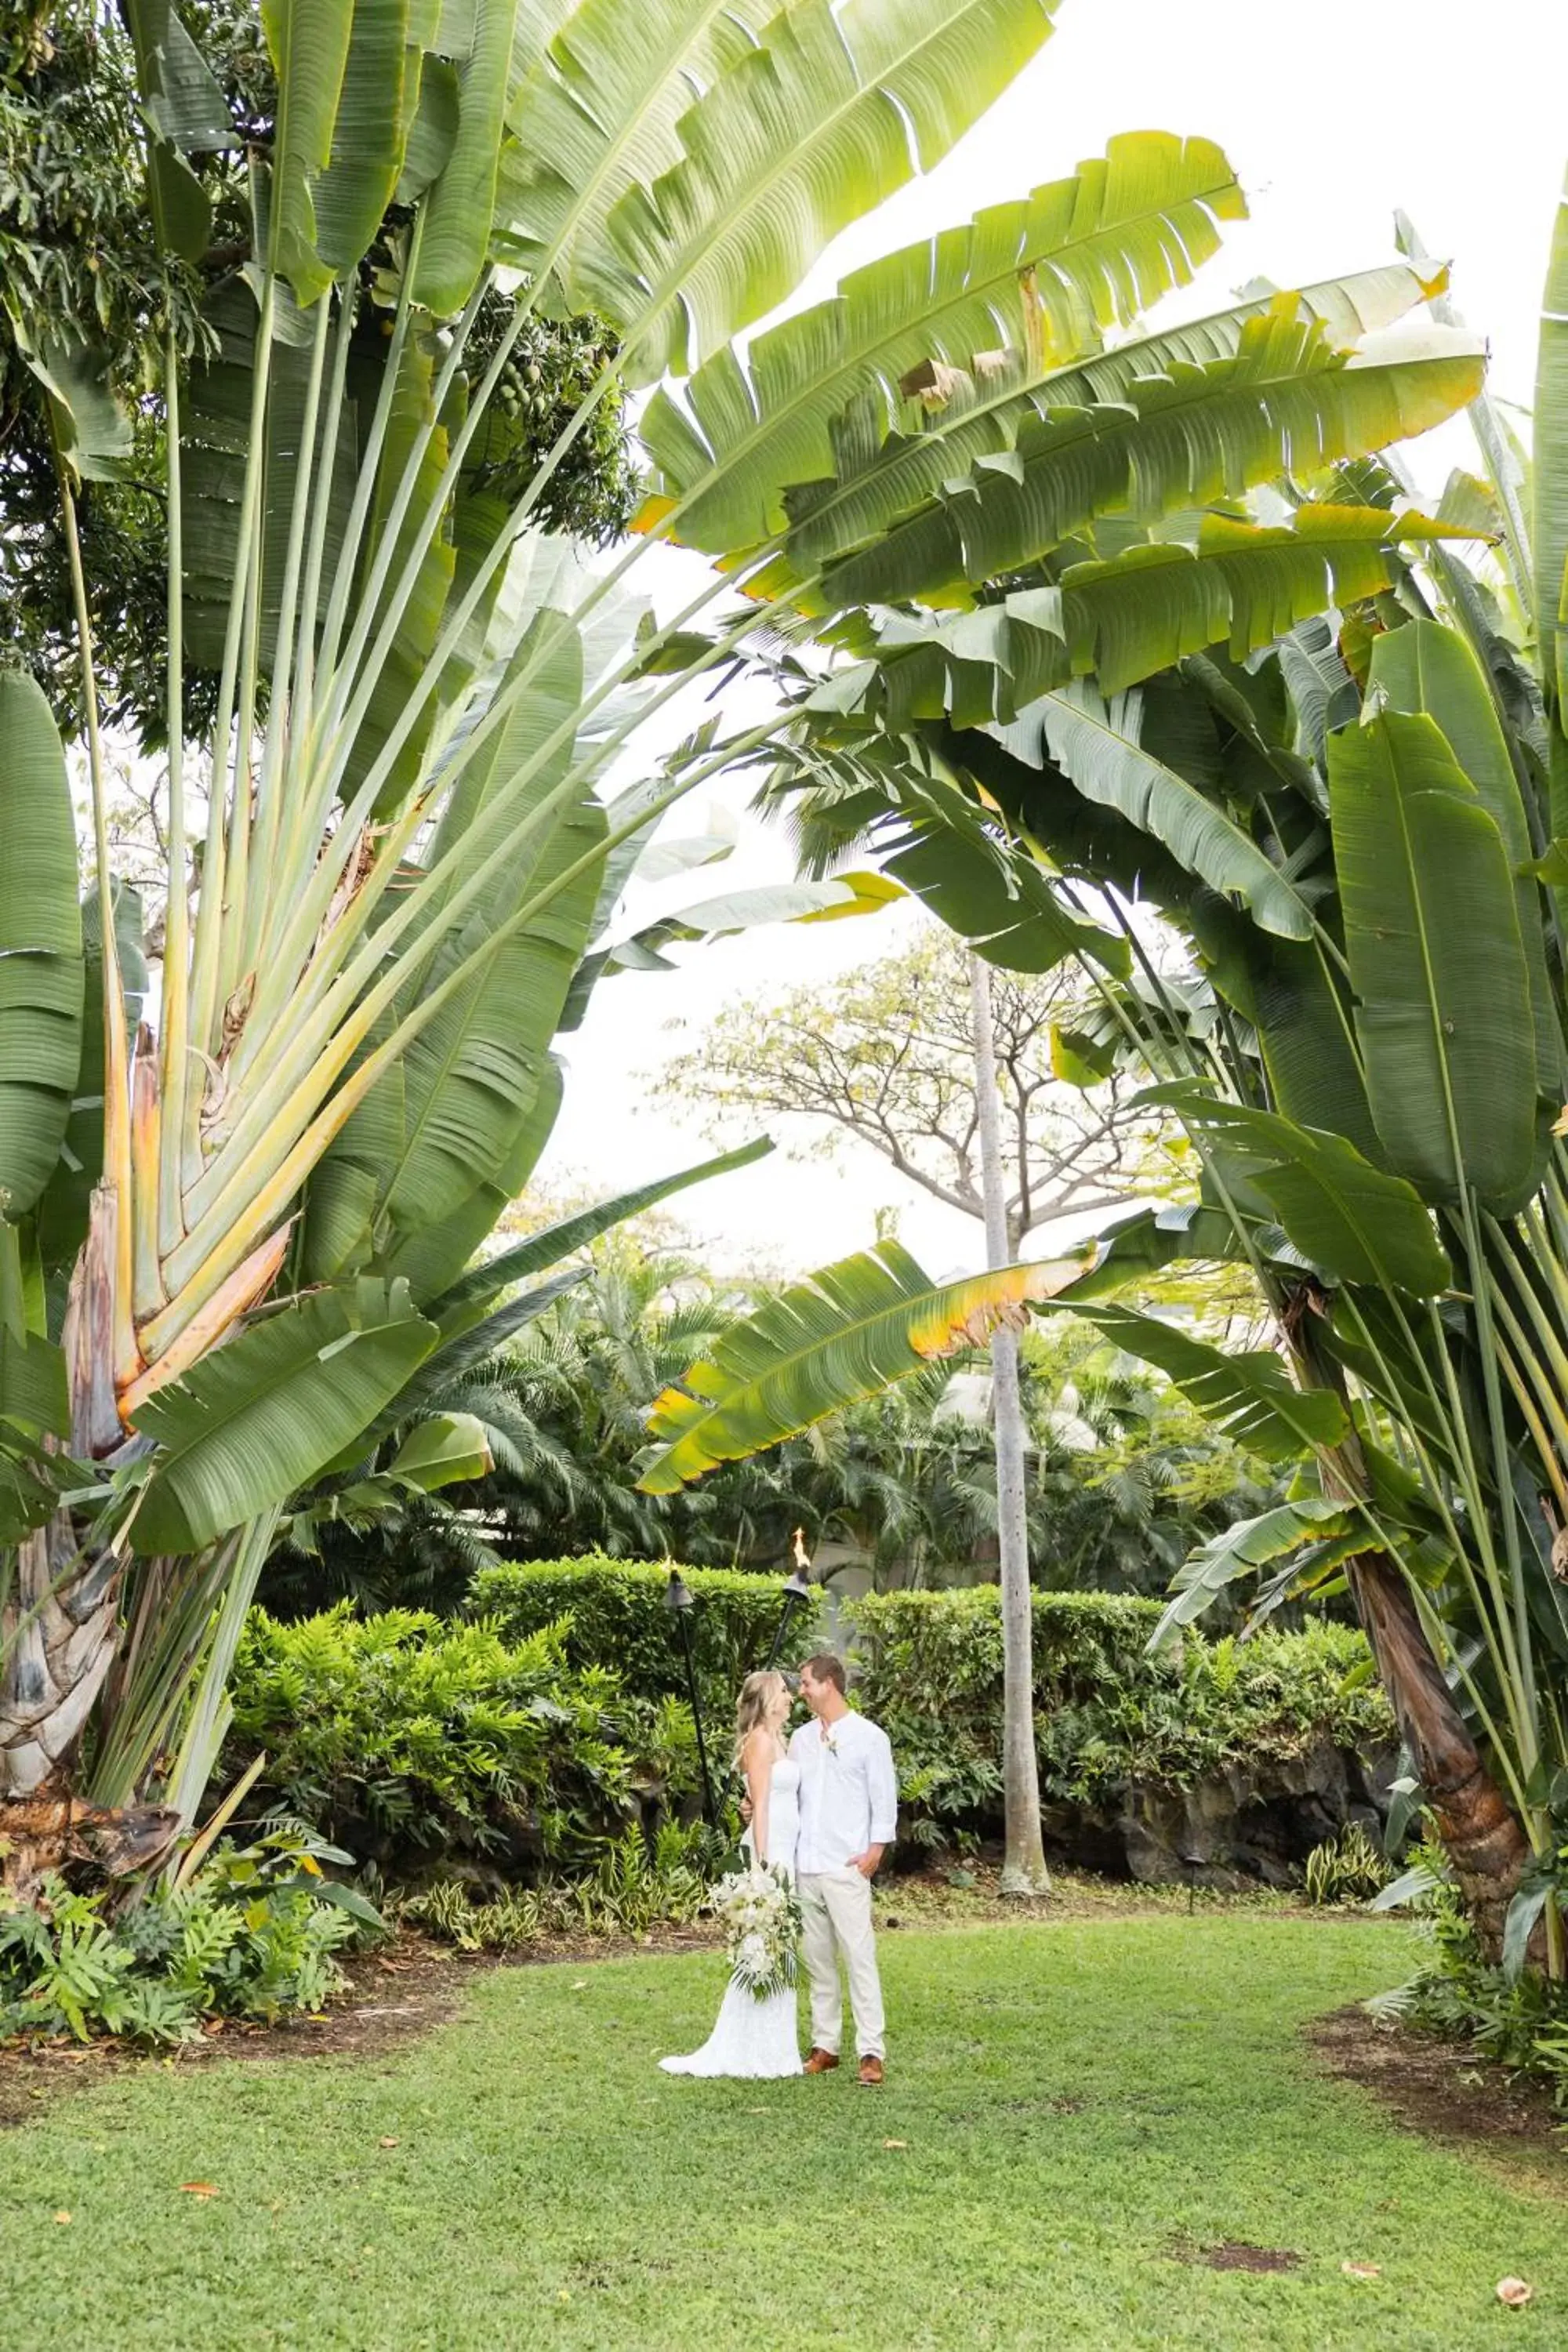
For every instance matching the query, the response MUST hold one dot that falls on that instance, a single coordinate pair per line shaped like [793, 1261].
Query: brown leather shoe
[872, 2071]
[820, 2061]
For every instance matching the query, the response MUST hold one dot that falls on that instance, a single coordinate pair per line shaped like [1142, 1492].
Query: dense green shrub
[1107, 1713]
[636, 1883]
[615, 1615]
[523, 1745]
[252, 1935]
[405, 1734]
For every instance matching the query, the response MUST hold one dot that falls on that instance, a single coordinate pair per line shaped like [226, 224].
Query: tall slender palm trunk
[1023, 1868]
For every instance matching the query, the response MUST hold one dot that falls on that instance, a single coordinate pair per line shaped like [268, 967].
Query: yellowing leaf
[872, 892]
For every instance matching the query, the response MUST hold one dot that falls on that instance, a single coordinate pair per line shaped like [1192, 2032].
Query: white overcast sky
[1332, 116]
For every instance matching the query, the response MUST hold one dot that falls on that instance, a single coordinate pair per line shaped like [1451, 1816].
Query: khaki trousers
[835, 1913]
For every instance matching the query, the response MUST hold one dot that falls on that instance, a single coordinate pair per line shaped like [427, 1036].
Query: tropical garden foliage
[1112, 715]
[236, 1230]
[1124, 1476]
[239, 1203]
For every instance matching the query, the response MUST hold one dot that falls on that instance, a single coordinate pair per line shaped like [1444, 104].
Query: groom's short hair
[827, 1668]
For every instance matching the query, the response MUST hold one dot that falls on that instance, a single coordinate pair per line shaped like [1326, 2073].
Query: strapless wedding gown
[756, 2038]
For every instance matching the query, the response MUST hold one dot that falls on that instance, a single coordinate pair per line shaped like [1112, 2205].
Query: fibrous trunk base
[1482, 1836]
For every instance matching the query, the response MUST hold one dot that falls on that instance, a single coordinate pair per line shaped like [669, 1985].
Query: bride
[755, 2037]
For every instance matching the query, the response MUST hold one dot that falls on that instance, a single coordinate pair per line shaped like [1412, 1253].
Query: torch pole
[709, 1811]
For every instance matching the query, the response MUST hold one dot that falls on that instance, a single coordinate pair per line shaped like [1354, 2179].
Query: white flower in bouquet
[761, 1917]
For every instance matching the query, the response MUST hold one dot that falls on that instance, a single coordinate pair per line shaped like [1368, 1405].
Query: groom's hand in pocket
[868, 1862]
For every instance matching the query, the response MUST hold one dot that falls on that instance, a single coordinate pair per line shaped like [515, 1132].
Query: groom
[849, 1817]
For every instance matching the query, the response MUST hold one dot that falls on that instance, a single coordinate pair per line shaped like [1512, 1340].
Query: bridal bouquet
[761, 1917]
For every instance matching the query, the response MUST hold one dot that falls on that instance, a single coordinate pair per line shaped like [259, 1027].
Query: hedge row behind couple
[823, 1812]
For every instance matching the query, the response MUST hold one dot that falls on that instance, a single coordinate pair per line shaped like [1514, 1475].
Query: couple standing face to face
[820, 1693]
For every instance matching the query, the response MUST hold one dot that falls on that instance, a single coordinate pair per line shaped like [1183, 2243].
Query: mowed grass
[1068, 2105]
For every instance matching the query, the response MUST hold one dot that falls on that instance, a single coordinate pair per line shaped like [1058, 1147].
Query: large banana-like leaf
[982, 417]
[309, 42]
[62, 1212]
[1240, 583]
[597, 95]
[1357, 1223]
[844, 1333]
[413, 417]
[1124, 618]
[1437, 962]
[1287, 401]
[471, 1076]
[370, 132]
[1096, 743]
[185, 114]
[1040, 277]
[433, 1257]
[1550, 527]
[259, 1417]
[1428, 668]
[1305, 1027]
[1186, 1234]
[439, 1452]
[1250, 1544]
[462, 204]
[1248, 1393]
[996, 899]
[476, 1336]
[803, 134]
[41, 970]
[34, 1407]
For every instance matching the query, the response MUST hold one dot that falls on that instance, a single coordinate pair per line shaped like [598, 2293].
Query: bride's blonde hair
[758, 1693]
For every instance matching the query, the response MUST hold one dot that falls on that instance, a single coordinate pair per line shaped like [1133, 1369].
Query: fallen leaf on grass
[581, 1985]
[62, 2218]
[386, 2140]
[1362, 2269]
[895, 2143]
[198, 2188]
[1515, 2292]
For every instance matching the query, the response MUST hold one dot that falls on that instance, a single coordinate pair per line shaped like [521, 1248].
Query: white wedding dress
[754, 2038]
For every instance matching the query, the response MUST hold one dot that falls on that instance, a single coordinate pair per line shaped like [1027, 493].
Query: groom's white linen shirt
[849, 1793]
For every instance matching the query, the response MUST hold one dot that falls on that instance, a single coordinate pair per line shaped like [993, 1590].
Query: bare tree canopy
[886, 1055]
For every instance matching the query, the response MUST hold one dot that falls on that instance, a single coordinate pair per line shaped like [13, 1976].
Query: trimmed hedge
[612, 1612]
[558, 1720]
[1107, 1714]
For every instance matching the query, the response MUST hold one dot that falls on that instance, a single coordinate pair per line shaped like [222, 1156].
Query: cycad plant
[1355, 831]
[239, 1206]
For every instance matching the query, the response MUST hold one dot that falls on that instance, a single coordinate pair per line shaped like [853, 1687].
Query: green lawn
[549, 2187]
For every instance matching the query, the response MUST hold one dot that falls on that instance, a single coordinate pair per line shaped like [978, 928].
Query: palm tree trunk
[1023, 1868]
[1483, 1839]
[1482, 1836]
